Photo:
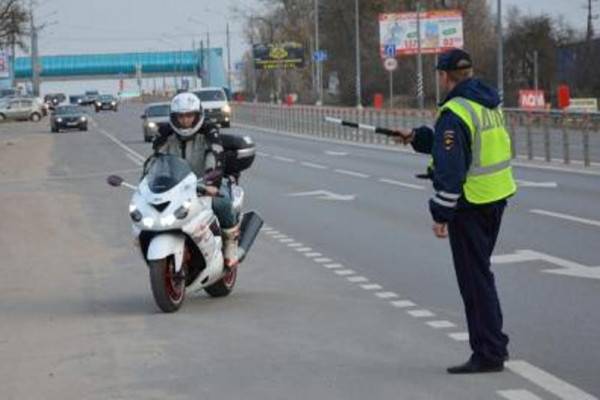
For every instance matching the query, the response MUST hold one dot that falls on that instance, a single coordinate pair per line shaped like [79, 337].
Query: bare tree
[14, 20]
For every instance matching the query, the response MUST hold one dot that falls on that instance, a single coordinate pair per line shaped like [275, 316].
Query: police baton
[371, 128]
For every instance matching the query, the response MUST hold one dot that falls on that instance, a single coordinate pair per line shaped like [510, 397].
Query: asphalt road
[346, 294]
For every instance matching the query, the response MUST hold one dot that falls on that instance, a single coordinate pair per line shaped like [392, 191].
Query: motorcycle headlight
[136, 216]
[114, 103]
[83, 119]
[152, 125]
[168, 220]
[98, 103]
[182, 212]
[148, 222]
[226, 108]
[58, 119]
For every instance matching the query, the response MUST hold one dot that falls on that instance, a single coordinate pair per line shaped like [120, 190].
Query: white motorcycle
[177, 232]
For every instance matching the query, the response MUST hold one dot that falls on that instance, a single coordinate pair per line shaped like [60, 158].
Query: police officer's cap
[453, 60]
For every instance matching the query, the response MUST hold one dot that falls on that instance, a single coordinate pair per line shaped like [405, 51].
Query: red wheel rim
[229, 278]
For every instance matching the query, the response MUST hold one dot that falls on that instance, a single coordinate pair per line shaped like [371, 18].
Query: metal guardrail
[572, 138]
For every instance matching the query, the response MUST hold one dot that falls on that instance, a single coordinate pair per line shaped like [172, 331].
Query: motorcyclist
[198, 141]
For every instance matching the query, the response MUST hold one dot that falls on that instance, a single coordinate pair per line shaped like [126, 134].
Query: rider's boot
[230, 246]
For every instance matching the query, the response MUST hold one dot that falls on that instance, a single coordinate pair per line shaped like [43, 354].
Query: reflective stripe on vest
[489, 177]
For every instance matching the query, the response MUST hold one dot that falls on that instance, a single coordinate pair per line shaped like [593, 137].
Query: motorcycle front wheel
[167, 288]
[224, 286]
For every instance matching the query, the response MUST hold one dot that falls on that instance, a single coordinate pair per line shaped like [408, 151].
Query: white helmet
[185, 103]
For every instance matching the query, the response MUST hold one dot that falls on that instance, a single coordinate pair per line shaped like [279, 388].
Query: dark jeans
[223, 207]
[473, 233]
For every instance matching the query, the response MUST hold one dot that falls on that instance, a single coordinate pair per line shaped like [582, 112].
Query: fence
[572, 138]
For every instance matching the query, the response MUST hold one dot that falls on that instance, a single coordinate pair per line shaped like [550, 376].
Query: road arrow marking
[325, 195]
[568, 268]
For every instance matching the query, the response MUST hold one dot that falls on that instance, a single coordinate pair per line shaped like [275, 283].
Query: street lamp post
[420, 95]
[500, 52]
[317, 59]
[357, 29]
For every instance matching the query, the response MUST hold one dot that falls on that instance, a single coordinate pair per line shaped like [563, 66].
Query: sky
[106, 26]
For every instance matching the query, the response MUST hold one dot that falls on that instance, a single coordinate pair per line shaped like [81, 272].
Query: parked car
[155, 115]
[21, 109]
[68, 117]
[76, 99]
[106, 102]
[215, 104]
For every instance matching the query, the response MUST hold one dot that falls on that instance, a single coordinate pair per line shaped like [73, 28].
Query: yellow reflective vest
[490, 176]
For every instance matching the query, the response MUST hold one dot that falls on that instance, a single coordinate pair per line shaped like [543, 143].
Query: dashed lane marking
[459, 336]
[313, 165]
[352, 173]
[401, 184]
[402, 303]
[519, 394]
[420, 313]
[441, 324]
[386, 295]
[343, 272]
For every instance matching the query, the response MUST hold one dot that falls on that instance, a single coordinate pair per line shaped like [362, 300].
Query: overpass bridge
[207, 63]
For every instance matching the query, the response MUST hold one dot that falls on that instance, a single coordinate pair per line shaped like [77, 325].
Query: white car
[215, 104]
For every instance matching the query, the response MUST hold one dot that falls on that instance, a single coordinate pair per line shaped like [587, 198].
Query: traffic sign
[320, 55]
[390, 50]
[390, 64]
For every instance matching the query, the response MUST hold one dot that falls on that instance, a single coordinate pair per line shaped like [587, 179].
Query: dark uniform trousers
[473, 233]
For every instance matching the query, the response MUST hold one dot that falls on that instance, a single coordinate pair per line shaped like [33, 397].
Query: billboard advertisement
[440, 30]
[278, 56]
[532, 99]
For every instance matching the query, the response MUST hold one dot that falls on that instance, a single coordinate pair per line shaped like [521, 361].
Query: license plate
[71, 123]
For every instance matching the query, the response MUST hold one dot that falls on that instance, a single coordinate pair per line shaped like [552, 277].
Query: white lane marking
[402, 303]
[519, 394]
[459, 336]
[266, 228]
[279, 236]
[284, 159]
[402, 184]
[421, 313]
[122, 145]
[313, 255]
[322, 260]
[303, 249]
[272, 232]
[325, 195]
[313, 165]
[357, 279]
[336, 153]
[134, 159]
[288, 240]
[549, 185]
[440, 324]
[344, 272]
[566, 217]
[295, 245]
[547, 381]
[386, 295]
[352, 173]
[333, 266]
[371, 286]
[260, 153]
[567, 267]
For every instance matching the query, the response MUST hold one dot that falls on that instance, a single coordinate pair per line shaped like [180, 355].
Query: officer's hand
[405, 136]
[440, 230]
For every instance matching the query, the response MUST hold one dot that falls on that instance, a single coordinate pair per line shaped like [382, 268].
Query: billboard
[4, 64]
[440, 30]
[532, 99]
[278, 56]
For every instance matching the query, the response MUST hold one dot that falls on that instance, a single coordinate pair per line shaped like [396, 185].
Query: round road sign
[390, 64]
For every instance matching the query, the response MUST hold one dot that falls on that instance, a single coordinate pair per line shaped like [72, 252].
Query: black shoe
[477, 367]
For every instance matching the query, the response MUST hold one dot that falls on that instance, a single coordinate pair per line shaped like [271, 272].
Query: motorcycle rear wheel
[168, 290]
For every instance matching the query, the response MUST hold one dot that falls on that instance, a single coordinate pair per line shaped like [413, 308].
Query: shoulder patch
[448, 140]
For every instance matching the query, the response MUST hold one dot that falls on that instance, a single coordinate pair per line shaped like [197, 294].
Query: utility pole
[500, 52]
[318, 61]
[208, 58]
[420, 94]
[590, 26]
[535, 70]
[35, 67]
[228, 59]
[357, 30]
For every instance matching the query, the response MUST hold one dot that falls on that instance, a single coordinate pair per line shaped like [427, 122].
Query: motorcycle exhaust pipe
[250, 226]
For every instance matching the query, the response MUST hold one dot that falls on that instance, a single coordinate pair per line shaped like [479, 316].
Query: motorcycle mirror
[114, 180]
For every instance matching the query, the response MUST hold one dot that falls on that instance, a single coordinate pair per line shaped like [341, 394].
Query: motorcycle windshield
[165, 172]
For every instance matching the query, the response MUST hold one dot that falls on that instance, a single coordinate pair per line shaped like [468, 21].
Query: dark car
[68, 117]
[106, 102]
[76, 99]
[155, 115]
[215, 105]
[90, 97]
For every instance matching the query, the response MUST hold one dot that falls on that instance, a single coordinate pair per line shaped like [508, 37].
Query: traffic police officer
[472, 178]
